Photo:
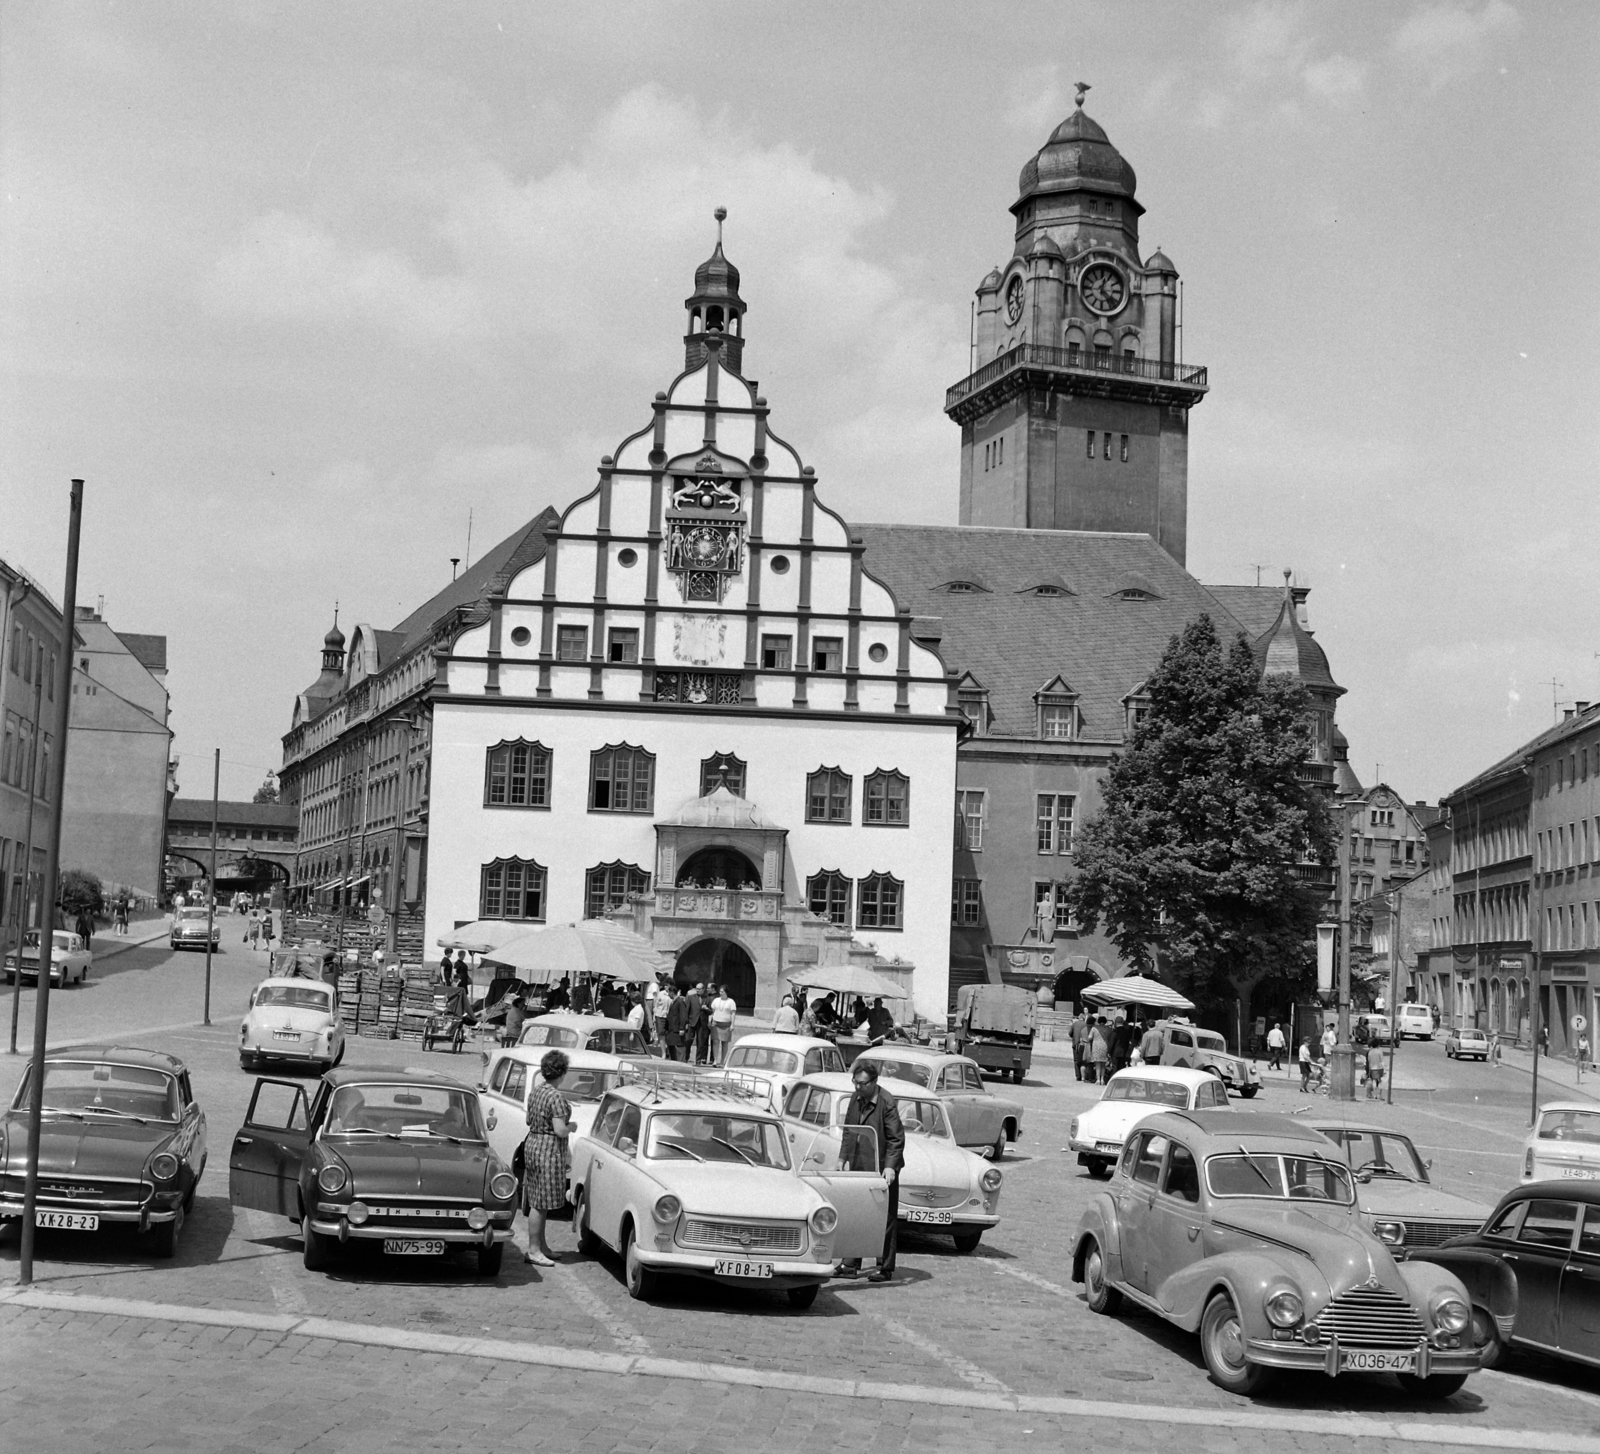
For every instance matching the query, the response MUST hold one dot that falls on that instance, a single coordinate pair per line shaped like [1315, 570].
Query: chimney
[1582, 707]
[1568, 713]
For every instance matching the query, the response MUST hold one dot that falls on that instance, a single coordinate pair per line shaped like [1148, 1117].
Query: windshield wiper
[679, 1146]
[1251, 1162]
[61, 1111]
[113, 1111]
[749, 1159]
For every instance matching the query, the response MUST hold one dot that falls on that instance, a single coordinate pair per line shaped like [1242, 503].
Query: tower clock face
[1102, 288]
[1014, 301]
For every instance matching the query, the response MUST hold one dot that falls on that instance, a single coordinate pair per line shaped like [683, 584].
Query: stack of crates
[416, 1000]
[390, 988]
[350, 1001]
[370, 981]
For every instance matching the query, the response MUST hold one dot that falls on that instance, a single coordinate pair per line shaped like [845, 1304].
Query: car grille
[417, 1213]
[933, 1196]
[64, 1193]
[741, 1236]
[1371, 1317]
[1431, 1234]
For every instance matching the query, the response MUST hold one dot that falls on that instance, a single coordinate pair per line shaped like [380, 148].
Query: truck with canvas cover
[993, 1025]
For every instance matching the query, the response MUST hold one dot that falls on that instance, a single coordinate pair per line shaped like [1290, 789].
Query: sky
[305, 292]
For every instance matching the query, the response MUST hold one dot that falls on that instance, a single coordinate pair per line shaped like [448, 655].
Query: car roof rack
[666, 1085]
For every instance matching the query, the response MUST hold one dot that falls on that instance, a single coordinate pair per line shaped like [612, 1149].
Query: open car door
[264, 1166]
[861, 1198]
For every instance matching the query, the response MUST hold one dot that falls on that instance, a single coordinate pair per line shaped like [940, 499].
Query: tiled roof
[1254, 607]
[149, 651]
[259, 815]
[1286, 648]
[1102, 646]
[1513, 761]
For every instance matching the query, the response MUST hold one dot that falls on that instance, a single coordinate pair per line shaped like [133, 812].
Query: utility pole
[211, 898]
[1342, 1071]
[52, 860]
[1398, 898]
[27, 848]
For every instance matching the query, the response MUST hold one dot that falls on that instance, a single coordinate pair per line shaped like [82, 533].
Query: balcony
[749, 906]
[1103, 374]
[1318, 875]
[1315, 774]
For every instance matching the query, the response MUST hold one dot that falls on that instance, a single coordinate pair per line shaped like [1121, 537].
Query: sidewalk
[1560, 1074]
[140, 932]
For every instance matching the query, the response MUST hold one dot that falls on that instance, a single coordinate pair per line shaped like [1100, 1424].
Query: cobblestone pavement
[996, 1335]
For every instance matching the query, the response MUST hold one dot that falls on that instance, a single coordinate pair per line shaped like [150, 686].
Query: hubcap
[1092, 1271]
[1230, 1342]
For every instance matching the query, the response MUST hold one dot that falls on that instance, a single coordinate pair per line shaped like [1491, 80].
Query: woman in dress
[544, 1155]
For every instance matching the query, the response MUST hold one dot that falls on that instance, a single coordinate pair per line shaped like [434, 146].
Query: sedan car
[1533, 1272]
[1462, 1043]
[1565, 1145]
[122, 1140]
[399, 1159]
[689, 1179]
[1397, 1202]
[70, 958]
[1131, 1096]
[295, 1020]
[1377, 1027]
[942, 1186]
[1244, 1230]
[979, 1118]
[560, 1030]
[512, 1074]
[1187, 1045]
[189, 929]
[766, 1065]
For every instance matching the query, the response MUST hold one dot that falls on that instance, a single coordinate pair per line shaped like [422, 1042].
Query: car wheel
[1099, 1170]
[1103, 1298]
[995, 1152]
[490, 1258]
[1486, 1338]
[167, 1233]
[318, 1250]
[1436, 1385]
[427, 1041]
[641, 1280]
[968, 1241]
[801, 1298]
[1222, 1346]
[1249, 1091]
[588, 1243]
[339, 1058]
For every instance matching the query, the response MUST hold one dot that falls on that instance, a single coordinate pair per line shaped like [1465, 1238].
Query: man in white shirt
[723, 1009]
[787, 1020]
[662, 1005]
[1275, 1047]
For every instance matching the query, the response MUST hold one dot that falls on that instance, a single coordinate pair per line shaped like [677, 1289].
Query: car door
[1180, 1049]
[1171, 1234]
[612, 1170]
[1135, 1195]
[952, 1087]
[1578, 1318]
[506, 1108]
[988, 1116]
[861, 1198]
[1539, 1258]
[269, 1149]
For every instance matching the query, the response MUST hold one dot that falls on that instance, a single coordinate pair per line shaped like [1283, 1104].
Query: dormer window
[964, 588]
[1133, 593]
[1135, 707]
[1057, 706]
[1131, 586]
[972, 699]
[1047, 588]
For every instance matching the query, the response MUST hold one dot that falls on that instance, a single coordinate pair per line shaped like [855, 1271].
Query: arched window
[881, 901]
[886, 800]
[622, 779]
[512, 888]
[828, 796]
[828, 896]
[607, 886]
[722, 770]
[517, 775]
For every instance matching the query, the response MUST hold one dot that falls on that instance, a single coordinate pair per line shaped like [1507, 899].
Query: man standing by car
[679, 1025]
[1275, 1047]
[1079, 1034]
[875, 1108]
[1150, 1045]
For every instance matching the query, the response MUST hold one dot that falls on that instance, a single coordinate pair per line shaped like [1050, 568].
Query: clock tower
[1076, 414]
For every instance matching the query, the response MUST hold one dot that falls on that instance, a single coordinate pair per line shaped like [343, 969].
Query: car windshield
[1570, 1125]
[715, 1136]
[299, 997]
[1473, 1035]
[1379, 1153]
[629, 1042]
[553, 1035]
[1210, 1040]
[1265, 1174]
[587, 1083]
[906, 1070]
[104, 1088]
[764, 1057]
[1152, 1092]
[404, 1110]
[924, 1118]
[198, 915]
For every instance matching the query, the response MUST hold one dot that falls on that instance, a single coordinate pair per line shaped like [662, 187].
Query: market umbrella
[1135, 989]
[594, 947]
[481, 935]
[847, 979]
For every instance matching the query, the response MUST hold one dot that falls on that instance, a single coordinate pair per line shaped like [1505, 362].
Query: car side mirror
[627, 1146]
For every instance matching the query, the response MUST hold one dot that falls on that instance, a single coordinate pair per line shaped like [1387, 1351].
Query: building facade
[255, 845]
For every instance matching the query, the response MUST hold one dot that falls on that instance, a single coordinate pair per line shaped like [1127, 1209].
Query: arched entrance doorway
[717, 867]
[719, 961]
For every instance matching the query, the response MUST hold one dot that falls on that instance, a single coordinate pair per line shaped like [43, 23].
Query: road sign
[1579, 1024]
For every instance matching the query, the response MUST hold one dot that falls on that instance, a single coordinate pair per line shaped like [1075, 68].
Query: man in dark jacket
[678, 1025]
[697, 1017]
[876, 1108]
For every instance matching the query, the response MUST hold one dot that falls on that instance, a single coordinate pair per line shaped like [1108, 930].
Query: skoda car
[189, 929]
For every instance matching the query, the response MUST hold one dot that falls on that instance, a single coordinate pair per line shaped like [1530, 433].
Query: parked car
[122, 1140]
[1533, 1272]
[1398, 1203]
[689, 1179]
[1244, 1230]
[399, 1158]
[513, 1073]
[1565, 1144]
[941, 1185]
[980, 1119]
[1131, 1096]
[70, 958]
[1189, 1046]
[1460, 1043]
[1377, 1028]
[1416, 1021]
[560, 1030]
[291, 1019]
[189, 928]
[766, 1065]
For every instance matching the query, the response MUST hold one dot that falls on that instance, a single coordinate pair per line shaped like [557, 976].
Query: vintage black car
[1533, 1271]
[399, 1158]
[122, 1140]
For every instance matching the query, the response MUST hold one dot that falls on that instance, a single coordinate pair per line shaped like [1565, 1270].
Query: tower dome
[716, 311]
[333, 651]
[1079, 155]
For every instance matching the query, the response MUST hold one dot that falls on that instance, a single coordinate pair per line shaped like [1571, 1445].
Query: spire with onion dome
[716, 311]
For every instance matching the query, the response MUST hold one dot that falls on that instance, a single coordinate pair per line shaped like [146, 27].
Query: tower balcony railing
[1077, 361]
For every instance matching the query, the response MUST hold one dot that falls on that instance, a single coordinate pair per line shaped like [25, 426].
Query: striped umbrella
[1136, 989]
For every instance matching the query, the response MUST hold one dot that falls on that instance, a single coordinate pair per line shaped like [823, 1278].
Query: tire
[1099, 1170]
[967, 1241]
[1102, 1297]
[339, 1058]
[1437, 1385]
[318, 1250]
[427, 1042]
[1249, 1092]
[248, 1063]
[1486, 1336]
[1222, 1346]
[164, 1235]
[588, 1243]
[995, 1152]
[194, 1186]
[640, 1279]
[801, 1298]
[1016, 1075]
[490, 1258]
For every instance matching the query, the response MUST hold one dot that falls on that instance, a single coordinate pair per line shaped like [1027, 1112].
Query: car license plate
[413, 1247]
[286, 1034]
[68, 1221]
[1579, 1173]
[733, 1267]
[1378, 1361]
[926, 1214]
[1112, 1146]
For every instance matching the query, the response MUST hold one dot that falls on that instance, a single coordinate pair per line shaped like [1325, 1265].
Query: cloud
[1274, 63]
[1336, 77]
[1443, 43]
[1039, 99]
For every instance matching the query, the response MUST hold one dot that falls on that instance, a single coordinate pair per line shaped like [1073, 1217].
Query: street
[235, 1344]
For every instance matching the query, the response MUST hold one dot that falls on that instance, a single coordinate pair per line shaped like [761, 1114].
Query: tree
[267, 792]
[1191, 863]
[80, 892]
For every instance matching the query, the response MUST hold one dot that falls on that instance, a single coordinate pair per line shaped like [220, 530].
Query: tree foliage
[267, 792]
[1190, 864]
[80, 892]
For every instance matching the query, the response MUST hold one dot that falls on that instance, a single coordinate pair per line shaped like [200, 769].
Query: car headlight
[478, 1219]
[1284, 1309]
[667, 1209]
[502, 1186]
[163, 1166]
[332, 1178]
[1450, 1314]
[990, 1180]
[358, 1212]
[823, 1220]
[1390, 1233]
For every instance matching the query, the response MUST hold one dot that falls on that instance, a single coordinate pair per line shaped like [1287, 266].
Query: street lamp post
[1342, 1069]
